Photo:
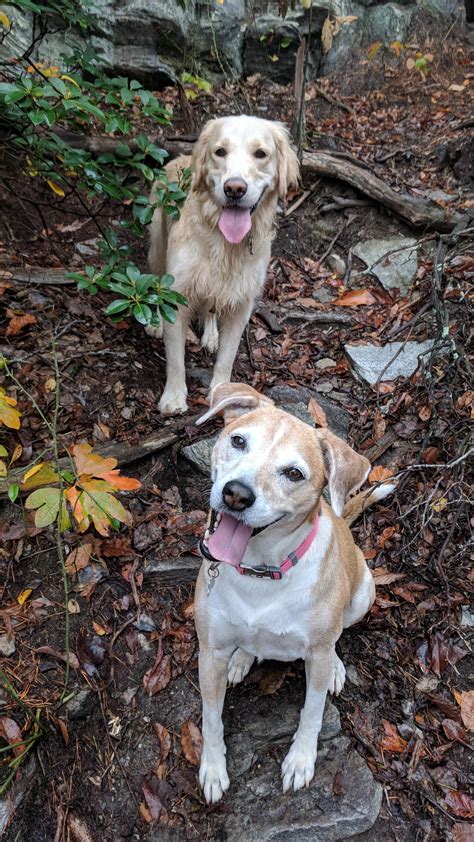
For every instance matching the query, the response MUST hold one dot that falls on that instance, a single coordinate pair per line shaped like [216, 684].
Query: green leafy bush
[42, 104]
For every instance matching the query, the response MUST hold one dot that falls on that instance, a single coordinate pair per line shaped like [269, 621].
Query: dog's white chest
[271, 620]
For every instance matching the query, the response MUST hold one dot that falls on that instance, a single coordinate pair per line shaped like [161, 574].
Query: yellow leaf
[52, 71]
[50, 385]
[23, 596]
[16, 453]
[274, 57]
[99, 629]
[306, 4]
[440, 504]
[9, 415]
[69, 79]
[5, 21]
[3, 469]
[373, 50]
[56, 188]
[42, 474]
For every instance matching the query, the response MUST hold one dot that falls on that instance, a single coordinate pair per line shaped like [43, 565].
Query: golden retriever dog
[219, 249]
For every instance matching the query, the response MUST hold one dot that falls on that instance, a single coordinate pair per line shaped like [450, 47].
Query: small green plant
[41, 104]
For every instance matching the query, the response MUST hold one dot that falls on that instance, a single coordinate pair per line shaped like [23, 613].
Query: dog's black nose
[235, 188]
[238, 496]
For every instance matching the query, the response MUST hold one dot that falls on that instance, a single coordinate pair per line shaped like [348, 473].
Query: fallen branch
[98, 144]
[320, 317]
[123, 451]
[37, 275]
[173, 570]
[417, 212]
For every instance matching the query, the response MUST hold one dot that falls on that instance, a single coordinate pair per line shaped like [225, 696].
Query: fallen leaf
[354, 298]
[153, 802]
[191, 742]
[385, 535]
[466, 702]
[18, 322]
[159, 675]
[454, 731]
[64, 731]
[317, 413]
[443, 652]
[61, 656]
[392, 741]
[145, 813]
[78, 559]
[11, 733]
[91, 652]
[165, 740]
[9, 415]
[73, 606]
[380, 474]
[55, 187]
[460, 804]
[23, 596]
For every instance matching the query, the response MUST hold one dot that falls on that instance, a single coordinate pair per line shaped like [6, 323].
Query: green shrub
[40, 103]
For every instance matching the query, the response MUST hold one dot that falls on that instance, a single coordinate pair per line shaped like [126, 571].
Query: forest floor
[114, 761]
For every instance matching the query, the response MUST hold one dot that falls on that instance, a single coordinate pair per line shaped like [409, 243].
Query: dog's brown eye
[294, 474]
[238, 442]
[260, 153]
[221, 152]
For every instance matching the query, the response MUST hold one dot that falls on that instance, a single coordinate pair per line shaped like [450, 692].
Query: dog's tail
[361, 501]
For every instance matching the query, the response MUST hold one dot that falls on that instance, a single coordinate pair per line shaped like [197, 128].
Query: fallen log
[319, 317]
[418, 212]
[98, 144]
[123, 451]
[173, 570]
[37, 275]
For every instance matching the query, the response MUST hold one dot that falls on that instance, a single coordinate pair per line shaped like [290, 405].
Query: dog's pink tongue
[235, 223]
[229, 541]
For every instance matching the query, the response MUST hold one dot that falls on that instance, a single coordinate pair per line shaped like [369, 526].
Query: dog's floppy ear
[199, 156]
[233, 399]
[288, 164]
[346, 469]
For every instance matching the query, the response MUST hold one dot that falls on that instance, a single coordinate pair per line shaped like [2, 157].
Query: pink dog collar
[267, 571]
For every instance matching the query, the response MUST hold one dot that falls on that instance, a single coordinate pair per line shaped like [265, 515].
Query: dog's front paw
[298, 767]
[339, 676]
[213, 776]
[173, 402]
[239, 666]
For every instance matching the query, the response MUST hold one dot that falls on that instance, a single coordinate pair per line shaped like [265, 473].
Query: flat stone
[199, 453]
[261, 811]
[467, 617]
[369, 361]
[7, 645]
[394, 260]
[325, 362]
[80, 705]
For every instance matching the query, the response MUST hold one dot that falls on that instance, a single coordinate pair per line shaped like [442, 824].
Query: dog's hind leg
[210, 334]
[239, 666]
[213, 777]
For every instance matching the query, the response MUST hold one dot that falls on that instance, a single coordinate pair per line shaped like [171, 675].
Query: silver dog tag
[213, 573]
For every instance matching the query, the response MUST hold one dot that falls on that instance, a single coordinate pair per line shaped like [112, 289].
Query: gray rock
[199, 453]
[21, 788]
[389, 361]
[261, 811]
[80, 705]
[467, 617]
[325, 362]
[394, 260]
[7, 646]
[337, 264]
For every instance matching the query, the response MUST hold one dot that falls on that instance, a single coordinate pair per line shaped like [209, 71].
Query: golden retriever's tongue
[229, 541]
[235, 223]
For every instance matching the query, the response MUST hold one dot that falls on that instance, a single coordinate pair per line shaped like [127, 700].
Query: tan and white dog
[219, 249]
[291, 577]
